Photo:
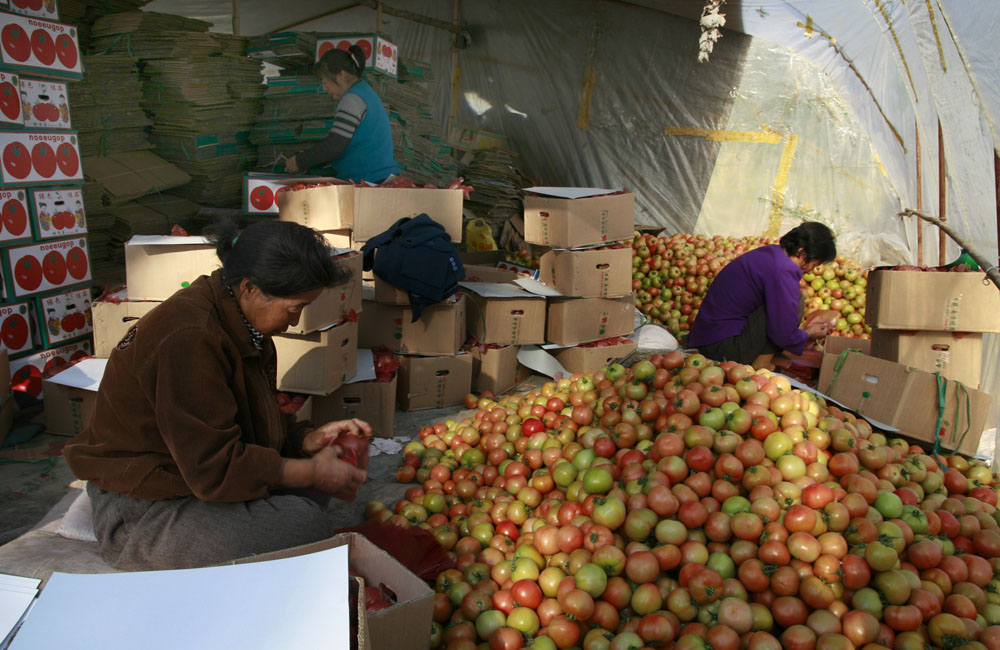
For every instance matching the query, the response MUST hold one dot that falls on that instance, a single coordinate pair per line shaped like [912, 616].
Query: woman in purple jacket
[754, 305]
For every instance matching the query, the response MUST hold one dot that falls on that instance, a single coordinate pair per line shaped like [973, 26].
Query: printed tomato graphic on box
[58, 213]
[39, 8]
[39, 157]
[43, 46]
[15, 327]
[27, 372]
[44, 104]
[261, 196]
[380, 54]
[14, 215]
[47, 266]
[10, 99]
[65, 316]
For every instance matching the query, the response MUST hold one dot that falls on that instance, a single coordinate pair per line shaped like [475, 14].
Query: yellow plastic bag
[479, 236]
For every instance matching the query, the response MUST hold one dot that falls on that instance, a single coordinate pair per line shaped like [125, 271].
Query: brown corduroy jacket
[187, 406]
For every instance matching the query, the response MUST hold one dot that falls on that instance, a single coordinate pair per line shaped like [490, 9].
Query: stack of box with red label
[45, 311]
[590, 270]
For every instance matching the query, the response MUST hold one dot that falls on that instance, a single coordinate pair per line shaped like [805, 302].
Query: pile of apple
[670, 276]
[685, 505]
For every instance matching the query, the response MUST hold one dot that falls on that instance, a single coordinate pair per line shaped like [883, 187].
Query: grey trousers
[748, 344]
[135, 534]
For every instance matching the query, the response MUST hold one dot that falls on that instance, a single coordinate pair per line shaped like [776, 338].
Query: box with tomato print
[14, 216]
[46, 267]
[44, 104]
[36, 157]
[260, 193]
[42, 47]
[380, 54]
[10, 100]
[15, 328]
[40, 8]
[64, 316]
[27, 372]
[57, 213]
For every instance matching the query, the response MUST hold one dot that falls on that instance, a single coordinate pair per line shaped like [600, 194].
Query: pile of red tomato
[692, 506]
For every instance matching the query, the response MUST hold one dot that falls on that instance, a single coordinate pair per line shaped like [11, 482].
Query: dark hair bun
[359, 57]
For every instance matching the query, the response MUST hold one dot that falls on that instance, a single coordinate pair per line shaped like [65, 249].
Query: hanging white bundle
[711, 23]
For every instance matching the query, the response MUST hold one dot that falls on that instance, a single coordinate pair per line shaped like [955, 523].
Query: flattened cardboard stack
[499, 186]
[106, 106]
[290, 50]
[295, 114]
[83, 13]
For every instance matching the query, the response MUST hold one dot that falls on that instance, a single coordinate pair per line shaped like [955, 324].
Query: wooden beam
[285, 28]
[236, 17]
[920, 197]
[418, 18]
[991, 270]
[942, 195]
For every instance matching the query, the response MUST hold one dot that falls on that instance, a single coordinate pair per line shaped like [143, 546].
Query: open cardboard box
[918, 300]
[832, 348]
[404, 626]
[333, 302]
[377, 208]
[439, 331]
[371, 401]
[156, 267]
[956, 355]
[330, 207]
[434, 382]
[591, 359]
[497, 369]
[588, 273]
[483, 273]
[568, 217]
[505, 314]
[113, 319]
[70, 396]
[580, 320]
[317, 363]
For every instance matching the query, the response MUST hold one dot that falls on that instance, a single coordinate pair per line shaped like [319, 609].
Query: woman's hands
[327, 434]
[818, 328]
[335, 477]
[291, 165]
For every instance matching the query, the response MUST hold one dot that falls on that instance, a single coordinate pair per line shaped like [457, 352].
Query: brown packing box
[319, 362]
[477, 273]
[956, 355]
[907, 398]
[917, 300]
[496, 369]
[832, 348]
[339, 238]
[334, 302]
[377, 208]
[580, 320]
[6, 398]
[590, 273]
[569, 223]
[504, 314]
[112, 320]
[322, 208]
[158, 267]
[67, 408]
[404, 626]
[434, 382]
[592, 359]
[390, 294]
[126, 176]
[440, 330]
[371, 401]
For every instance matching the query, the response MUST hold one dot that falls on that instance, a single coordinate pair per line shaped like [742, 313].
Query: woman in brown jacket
[189, 459]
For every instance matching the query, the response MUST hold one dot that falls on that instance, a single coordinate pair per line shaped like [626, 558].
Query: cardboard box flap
[167, 240]
[534, 286]
[86, 374]
[572, 192]
[365, 367]
[499, 290]
[126, 176]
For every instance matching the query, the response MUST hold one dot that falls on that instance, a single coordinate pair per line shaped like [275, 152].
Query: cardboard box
[832, 348]
[380, 54]
[907, 398]
[505, 314]
[478, 273]
[591, 359]
[317, 363]
[330, 207]
[6, 398]
[260, 193]
[915, 300]
[440, 330]
[404, 626]
[14, 216]
[588, 273]
[52, 265]
[434, 382]
[44, 104]
[157, 267]
[39, 157]
[580, 320]
[371, 401]
[48, 9]
[497, 369]
[113, 319]
[58, 213]
[377, 208]
[64, 316]
[15, 328]
[334, 303]
[340, 239]
[956, 355]
[43, 47]
[130, 175]
[27, 372]
[554, 219]
[11, 111]
[70, 396]
[390, 294]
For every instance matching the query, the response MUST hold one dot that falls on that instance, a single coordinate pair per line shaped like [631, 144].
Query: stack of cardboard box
[590, 271]
[926, 355]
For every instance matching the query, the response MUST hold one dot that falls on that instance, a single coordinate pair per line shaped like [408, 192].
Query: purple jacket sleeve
[781, 301]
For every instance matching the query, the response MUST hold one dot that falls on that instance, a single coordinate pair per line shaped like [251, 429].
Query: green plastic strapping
[838, 365]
